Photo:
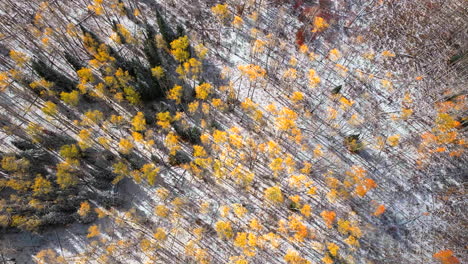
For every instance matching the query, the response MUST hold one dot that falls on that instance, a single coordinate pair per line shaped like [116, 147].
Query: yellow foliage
[85, 209]
[175, 94]
[160, 234]
[237, 22]
[393, 140]
[334, 55]
[224, 229]
[92, 117]
[319, 24]
[161, 211]
[203, 91]
[70, 98]
[296, 97]
[328, 217]
[179, 48]
[157, 72]
[41, 186]
[333, 249]
[139, 122]
[49, 108]
[239, 210]
[220, 11]
[252, 71]
[306, 210]
[293, 257]
[19, 57]
[164, 119]
[314, 79]
[224, 210]
[387, 53]
[125, 146]
[93, 231]
[274, 194]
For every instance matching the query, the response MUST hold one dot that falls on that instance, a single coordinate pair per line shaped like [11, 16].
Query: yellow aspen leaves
[388, 54]
[149, 171]
[97, 7]
[161, 211]
[220, 11]
[255, 225]
[218, 104]
[41, 186]
[290, 73]
[49, 108]
[328, 218]
[393, 140]
[446, 257]
[386, 84]
[297, 181]
[293, 61]
[318, 151]
[370, 55]
[297, 97]
[158, 72]
[352, 241]
[160, 234]
[306, 210]
[203, 91]
[193, 107]
[85, 209]
[319, 24]
[224, 229]
[252, 71]
[258, 46]
[164, 119]
[332, 195]
[379, 210]
[276, 165]
[48, 256]
[4, 81]
[293, 257]
[286, 119]
[239, 210]
[85, 140]
[189, 69]
[201, 51]
[19, 57]
[220, 137]
[139, 122]
[237, 22]
[240, 240]
[406, 113]
[70, 98]
[93, 231]
[333, 249]
[327, 259]
[92, 117]
[314, 79]
[162, 193]
[179, 49]
[199, 151]
[125, 146]
[334, 55]
[274, 194]
[345, 103]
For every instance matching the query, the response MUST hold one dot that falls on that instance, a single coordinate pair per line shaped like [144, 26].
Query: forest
[233, 131]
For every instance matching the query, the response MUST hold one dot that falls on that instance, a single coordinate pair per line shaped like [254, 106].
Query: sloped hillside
[259, 131]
